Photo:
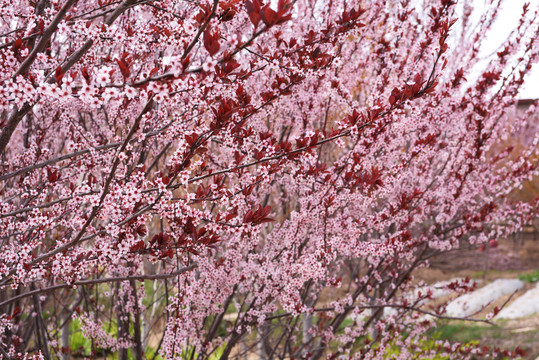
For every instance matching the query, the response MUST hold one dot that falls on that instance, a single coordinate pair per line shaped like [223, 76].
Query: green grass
[530, 277]
[492, 336]
[491, 273]
[466, 333]
[78, 342]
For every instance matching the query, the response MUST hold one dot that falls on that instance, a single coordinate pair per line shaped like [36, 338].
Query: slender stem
[98, 281]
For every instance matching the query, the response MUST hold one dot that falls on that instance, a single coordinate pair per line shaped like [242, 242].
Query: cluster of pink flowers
[207, 179]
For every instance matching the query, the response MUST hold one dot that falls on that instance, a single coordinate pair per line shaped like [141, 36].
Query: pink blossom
[248, 175]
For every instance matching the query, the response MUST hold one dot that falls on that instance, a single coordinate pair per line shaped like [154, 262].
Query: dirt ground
[513, 257]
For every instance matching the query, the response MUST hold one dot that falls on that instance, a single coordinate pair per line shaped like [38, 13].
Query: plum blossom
[102, 77]
[278, 195]
[209, 64]
[130, 92]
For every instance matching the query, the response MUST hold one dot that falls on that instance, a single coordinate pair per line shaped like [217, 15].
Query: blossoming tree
[205, 179]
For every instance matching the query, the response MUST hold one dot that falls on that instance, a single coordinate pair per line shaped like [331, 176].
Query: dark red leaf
[253, 10]
[52, 175]
[17, 44]
[124, 69]
[58, 75]
[211, 41]
[269, 16]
